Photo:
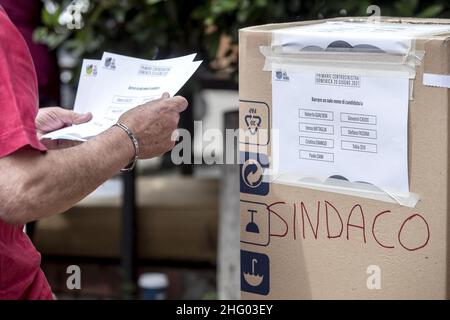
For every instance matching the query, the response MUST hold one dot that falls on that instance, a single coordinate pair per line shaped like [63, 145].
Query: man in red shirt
[26, 16]
[37, 180]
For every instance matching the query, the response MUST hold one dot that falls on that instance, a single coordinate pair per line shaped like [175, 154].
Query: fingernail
[82, 116]
[166, 95]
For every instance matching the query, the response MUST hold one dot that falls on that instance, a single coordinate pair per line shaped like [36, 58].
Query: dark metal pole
[187, 122]
[129, 215]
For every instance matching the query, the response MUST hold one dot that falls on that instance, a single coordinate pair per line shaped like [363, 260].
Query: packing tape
[366, 63]
[356, 189]
[436, 80]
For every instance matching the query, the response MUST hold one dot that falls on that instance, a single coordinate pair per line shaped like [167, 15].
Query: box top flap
[419, 27]
[389, 35]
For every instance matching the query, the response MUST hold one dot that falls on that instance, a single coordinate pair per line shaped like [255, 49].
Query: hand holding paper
[115, 84]
[54, 118]
[153, 124]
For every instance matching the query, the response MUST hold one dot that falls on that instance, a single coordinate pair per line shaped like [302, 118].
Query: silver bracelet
[130, 134]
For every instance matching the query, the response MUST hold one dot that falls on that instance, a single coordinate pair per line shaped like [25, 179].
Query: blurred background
[178, 222]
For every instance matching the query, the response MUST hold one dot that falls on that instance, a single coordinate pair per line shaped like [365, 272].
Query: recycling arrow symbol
[253, 123]
[252, 173]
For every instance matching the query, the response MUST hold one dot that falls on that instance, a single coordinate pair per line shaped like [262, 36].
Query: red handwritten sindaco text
[323, 219]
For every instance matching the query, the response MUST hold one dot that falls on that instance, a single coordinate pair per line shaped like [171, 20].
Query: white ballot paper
[338, 123]
[115, 84]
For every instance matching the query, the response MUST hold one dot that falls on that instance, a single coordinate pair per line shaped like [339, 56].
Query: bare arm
[35, 185]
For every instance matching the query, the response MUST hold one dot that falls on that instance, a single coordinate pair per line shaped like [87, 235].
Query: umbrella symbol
[253, 279]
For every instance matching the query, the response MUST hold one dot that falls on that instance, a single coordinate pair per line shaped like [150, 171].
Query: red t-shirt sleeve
[18, 91]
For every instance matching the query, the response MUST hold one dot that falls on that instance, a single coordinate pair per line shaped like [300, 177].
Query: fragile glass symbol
[252, 226]
[253, 279]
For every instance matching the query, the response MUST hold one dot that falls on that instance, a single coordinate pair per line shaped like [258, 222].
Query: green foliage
[149, 28]
[138, 27]
[230, 15]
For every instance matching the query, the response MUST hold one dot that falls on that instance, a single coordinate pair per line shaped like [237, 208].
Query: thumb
[78, 118]
[53, 118]
[69, 117]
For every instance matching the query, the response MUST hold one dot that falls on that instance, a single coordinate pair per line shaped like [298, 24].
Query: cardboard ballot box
[344, 159]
